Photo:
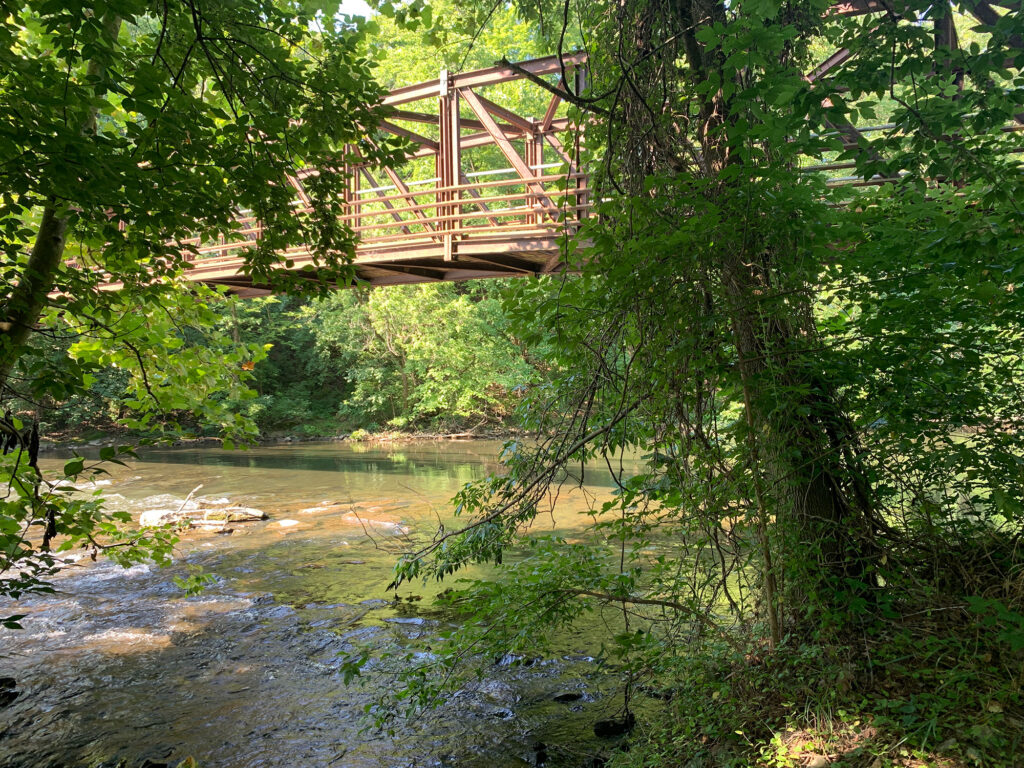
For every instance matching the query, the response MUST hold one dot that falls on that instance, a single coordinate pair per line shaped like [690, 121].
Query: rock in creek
[615, 726]
[154, 517]
[234, 514]
[210, 517]
[568, 696]
[7, 691]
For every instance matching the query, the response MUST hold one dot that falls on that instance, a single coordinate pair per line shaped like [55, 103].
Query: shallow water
[119, 667]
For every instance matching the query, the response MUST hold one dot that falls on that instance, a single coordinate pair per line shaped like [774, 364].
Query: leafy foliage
[434, 356]
[821, 374]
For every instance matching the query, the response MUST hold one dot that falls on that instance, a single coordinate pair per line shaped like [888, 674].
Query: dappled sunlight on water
[119, 665]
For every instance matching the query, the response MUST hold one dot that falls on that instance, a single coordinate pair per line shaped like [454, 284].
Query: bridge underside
[514, 254]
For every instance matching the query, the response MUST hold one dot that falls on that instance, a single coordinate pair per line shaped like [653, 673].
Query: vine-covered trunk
[799, 449]
[812, 497]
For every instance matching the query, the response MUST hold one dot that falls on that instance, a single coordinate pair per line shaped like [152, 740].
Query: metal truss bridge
[486, 191]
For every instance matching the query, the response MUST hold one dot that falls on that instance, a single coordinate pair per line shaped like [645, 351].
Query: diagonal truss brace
[525, 172]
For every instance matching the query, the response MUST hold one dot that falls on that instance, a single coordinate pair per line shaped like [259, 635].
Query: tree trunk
[799, 439]
[25, 304]
[800, 447]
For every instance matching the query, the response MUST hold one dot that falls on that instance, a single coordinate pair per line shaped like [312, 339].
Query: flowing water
[119, 667]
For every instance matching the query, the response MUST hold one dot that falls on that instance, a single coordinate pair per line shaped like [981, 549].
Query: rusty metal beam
[510, 263]
[549, 113]
[484, 138]
[525, 124]
[423, 117]
[424, 272]
[524, 171]
[838, 58]
[397, 130]
[548, 65]
[847, 129]
[299, 190]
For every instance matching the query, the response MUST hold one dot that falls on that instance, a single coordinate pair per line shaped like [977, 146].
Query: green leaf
[74, 466]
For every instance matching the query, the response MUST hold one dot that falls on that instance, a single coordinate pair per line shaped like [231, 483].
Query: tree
[130, 134]
[821, 374]
[418, 355]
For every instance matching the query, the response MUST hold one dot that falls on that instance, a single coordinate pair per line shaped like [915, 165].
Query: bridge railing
[476, 169]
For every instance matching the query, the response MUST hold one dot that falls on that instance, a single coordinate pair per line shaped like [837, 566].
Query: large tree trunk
[799, 439]
[801, 447]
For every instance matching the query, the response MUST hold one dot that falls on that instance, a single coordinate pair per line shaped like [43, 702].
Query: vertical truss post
[534, 154]
[448, 164]
[455, 163]
[357, 205]
[349, 194]
[945, 37]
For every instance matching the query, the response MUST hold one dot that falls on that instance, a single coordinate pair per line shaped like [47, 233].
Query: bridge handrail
[453, 213]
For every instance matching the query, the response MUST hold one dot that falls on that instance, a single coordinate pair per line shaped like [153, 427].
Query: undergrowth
[937, 687]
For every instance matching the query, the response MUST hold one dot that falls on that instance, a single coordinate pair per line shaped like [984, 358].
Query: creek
[119, 667]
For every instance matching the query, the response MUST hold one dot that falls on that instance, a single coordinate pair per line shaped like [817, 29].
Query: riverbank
[100, 439]
[939, 687]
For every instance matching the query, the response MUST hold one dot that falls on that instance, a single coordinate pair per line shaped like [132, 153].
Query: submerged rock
[7, 691]
[393, 527]
[326, 507]
[497, 691]
[540, 753]
[615, 726]
[568, 696]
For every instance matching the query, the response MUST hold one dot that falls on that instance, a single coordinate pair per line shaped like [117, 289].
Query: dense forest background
[438, 357]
